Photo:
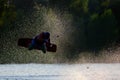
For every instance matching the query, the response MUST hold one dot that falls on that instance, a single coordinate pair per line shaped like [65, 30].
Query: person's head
[46, 35]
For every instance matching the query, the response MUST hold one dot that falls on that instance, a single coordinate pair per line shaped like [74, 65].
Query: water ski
[25, 42]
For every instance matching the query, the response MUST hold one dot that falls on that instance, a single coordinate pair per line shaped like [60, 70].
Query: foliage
[102, 29]
[7, 12]
[24, 4]
[79, 6]
[96, 20]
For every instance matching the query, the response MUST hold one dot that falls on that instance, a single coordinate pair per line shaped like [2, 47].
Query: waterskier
[41, 40]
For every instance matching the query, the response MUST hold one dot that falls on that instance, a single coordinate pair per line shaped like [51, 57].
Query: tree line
[100, 20]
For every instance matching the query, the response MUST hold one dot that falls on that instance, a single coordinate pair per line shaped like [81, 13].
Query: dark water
[60, 72]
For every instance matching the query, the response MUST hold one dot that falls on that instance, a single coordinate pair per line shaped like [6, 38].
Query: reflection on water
[60, 72]
[32, 77]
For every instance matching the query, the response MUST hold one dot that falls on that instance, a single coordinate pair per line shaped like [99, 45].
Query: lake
[33, 71]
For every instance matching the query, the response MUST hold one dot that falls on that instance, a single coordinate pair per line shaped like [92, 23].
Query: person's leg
[43, 48]
[31, 45]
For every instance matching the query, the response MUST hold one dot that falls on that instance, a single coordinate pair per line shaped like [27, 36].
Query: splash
[42, 19]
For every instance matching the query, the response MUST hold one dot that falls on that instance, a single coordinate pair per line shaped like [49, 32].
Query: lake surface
[60, 71]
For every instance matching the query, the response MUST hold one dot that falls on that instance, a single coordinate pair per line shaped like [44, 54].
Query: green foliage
[79, 6]
[102, 29]
[24, 4]
[105, 3]
[1, 11]
[61, 4]
[94, 16]
[95, 19]
[7, 12]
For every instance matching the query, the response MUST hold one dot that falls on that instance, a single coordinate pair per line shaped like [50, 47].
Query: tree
[7, 12]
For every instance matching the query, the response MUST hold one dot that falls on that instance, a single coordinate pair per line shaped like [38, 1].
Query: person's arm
[48, 42]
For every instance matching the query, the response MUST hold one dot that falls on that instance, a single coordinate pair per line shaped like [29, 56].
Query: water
[60, 72]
